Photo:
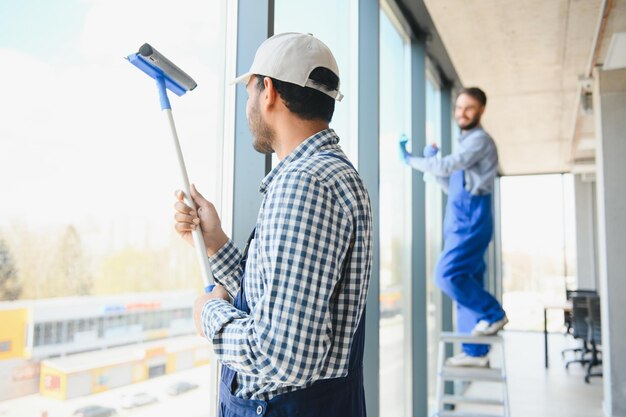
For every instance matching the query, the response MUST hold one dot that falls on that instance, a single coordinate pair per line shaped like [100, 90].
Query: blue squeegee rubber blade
[155, 72]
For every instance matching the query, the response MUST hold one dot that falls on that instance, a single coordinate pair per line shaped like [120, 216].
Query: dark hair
[476, 93]
[307, 103]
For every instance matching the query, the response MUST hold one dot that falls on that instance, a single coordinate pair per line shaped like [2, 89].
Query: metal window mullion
[369, 167]
[419, 336]
[446, 149]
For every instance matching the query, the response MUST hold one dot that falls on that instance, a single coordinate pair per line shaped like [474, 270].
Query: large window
[538, 247]
[88, 175]
[395, 223]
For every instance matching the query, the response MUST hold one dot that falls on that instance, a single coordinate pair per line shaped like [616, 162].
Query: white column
[610, 110]
[586, 244]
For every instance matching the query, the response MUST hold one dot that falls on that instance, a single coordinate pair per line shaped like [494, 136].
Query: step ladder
[448, 373]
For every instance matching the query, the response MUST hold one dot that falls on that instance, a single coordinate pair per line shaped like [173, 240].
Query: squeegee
[169, 77]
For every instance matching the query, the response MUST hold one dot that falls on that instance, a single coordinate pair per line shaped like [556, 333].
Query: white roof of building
[67, 308]
[120, 355]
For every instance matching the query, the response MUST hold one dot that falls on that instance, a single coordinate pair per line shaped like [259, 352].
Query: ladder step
[472, 374]
[460, 399]
[464, 414]
[459, 337]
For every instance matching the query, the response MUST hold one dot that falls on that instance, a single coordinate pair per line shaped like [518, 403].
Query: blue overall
[468, 226]
[338, 397]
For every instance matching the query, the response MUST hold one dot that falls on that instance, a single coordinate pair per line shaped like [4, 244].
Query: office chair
[568, 321]
[580, 327]
[594, 336]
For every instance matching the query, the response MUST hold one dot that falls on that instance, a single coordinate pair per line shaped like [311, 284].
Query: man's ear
[270, 93]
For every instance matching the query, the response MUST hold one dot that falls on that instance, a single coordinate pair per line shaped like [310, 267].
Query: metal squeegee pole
[198, 240]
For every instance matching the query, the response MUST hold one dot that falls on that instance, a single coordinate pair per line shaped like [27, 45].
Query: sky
[82, 137]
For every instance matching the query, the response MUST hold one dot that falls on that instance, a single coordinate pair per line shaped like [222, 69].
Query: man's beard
[262, 133]
[472, 124]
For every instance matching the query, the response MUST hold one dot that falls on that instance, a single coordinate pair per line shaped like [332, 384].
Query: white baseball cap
[291, 57]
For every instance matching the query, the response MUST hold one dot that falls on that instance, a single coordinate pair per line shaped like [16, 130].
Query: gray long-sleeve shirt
[476, 154]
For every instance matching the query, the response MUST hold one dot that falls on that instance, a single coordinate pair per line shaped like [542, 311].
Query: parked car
[181, 387]
[137, 400]
[95, 411]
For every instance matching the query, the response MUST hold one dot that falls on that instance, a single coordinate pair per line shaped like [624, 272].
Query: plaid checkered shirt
[306, 276]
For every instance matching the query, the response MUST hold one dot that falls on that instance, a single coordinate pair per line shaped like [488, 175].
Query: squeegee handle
[198, 240]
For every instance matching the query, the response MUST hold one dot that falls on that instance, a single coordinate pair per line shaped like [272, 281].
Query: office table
[566, 307]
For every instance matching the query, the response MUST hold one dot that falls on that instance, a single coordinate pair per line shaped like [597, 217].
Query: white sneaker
[484, 328]
[462, 359]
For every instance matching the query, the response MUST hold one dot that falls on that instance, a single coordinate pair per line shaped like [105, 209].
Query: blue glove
[430, 150]
[404, 154]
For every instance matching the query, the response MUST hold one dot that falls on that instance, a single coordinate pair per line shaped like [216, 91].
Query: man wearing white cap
[291, 342]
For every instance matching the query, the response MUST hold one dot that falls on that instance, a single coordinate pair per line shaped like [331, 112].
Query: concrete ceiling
[528, 57]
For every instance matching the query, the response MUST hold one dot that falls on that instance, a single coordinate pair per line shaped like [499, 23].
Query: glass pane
[87, 162]
[395, 224]
[333, 22]
[434, 234]
[536, 271]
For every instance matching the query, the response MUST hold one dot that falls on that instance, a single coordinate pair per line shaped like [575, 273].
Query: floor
[538, 392]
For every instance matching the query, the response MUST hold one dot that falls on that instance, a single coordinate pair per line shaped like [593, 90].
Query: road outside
[190, 404]
[195, 403]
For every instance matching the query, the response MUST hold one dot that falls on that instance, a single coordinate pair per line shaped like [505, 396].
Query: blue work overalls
[338, 397]
[468, 226]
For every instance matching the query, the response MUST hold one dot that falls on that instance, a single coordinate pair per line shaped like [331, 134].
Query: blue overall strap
[240, 301]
